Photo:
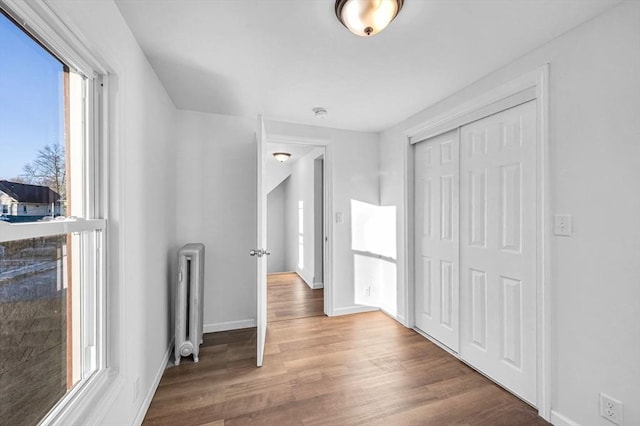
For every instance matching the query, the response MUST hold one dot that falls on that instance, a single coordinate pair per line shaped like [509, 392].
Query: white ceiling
[281, 58]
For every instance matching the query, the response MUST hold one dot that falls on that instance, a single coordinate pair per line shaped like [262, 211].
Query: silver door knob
[259, 252]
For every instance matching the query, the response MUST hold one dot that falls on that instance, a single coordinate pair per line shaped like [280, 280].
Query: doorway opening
[295, 231]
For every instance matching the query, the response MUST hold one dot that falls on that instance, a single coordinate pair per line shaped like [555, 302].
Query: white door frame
[327, 184]
[536, 82]
[260, 250]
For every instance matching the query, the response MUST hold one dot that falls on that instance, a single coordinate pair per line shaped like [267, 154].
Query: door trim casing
[327, 208]
[537, 82]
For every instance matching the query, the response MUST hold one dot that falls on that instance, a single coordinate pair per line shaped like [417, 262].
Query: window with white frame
[52, 337]
[301, 234]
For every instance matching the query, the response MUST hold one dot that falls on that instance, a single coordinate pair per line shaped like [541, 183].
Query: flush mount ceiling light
[367, 17]
[281, 156]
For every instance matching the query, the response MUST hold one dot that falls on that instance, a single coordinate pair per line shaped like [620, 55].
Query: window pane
[51, 294]
[40, 334]
[300, 251]
[33, 308]
[301, 217]
[41, 130]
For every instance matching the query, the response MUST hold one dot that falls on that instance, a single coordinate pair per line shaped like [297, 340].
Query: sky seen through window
[31, 100]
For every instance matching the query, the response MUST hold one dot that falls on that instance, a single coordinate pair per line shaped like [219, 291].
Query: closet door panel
[437, 238]
[497, 248]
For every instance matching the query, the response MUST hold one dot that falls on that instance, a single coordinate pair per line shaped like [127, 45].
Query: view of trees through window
[47, 169]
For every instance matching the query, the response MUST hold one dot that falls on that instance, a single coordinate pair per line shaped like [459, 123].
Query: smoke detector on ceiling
[319, 112]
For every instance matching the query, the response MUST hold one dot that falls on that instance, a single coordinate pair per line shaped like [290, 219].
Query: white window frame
[37, 19]
[301, 234]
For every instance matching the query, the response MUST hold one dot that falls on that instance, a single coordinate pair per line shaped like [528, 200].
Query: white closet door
[497, 248]
[436, 241]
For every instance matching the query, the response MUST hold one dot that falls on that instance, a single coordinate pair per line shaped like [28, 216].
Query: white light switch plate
[562, 225]
[339, 217]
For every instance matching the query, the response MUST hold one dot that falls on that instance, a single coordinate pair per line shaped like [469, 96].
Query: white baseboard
[403, 320]
[152, 389]
[229, 325]
[282, 273]
[354, 310]
[436, 342]
[397, 318]
[558, 419]
[309, 283]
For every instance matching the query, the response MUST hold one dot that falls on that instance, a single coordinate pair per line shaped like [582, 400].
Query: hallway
[288, 297]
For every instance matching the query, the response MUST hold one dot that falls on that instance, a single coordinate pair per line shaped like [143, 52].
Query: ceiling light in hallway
[281, 156]
[367, 17]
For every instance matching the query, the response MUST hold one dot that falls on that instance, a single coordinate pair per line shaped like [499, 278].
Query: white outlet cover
[562, 225]
[611, 409]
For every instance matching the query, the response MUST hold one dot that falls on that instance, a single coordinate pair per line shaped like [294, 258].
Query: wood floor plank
[348, 370]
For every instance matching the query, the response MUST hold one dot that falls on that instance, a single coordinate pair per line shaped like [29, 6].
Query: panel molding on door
[437, 238]
[498, 248]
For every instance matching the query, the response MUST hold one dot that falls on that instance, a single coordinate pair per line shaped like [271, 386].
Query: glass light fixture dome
[281, 156]
[367, 17]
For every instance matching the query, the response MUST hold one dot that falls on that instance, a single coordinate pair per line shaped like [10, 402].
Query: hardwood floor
[288, 297]
[348, 370]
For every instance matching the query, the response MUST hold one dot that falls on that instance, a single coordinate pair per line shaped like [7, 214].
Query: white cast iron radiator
[189, 301]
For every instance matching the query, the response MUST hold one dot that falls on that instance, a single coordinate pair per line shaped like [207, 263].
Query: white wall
[373, 241]
[217, 157]
[142, 239]
[300, 187]
[217, 206]
[276, 229]
[355, 176]
[275, 172]
[595, 166]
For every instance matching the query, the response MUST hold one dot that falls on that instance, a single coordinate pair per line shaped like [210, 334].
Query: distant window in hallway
[300, 234]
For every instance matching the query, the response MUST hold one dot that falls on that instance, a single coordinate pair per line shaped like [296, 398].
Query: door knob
[259, 252]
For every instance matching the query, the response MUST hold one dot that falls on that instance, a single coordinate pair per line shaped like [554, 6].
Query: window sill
[88, 404]
[23, 231]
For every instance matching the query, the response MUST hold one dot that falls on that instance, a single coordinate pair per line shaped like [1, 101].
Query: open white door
[260, 252]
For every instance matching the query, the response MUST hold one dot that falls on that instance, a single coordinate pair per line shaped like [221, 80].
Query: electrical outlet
[367, 291]
[562, 225]
[611, 409]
